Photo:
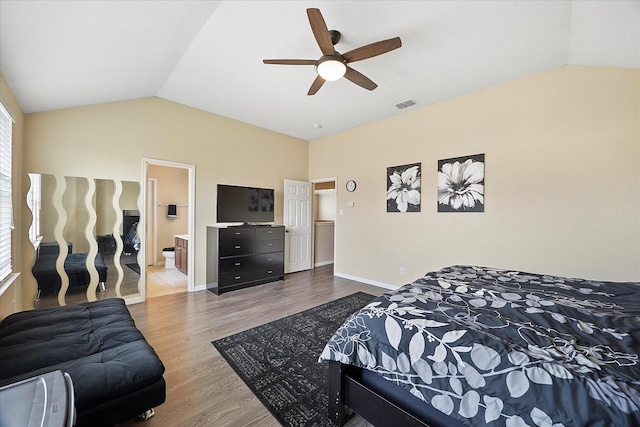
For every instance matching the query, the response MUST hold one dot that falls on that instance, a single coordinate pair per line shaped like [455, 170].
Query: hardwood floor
[202, 389]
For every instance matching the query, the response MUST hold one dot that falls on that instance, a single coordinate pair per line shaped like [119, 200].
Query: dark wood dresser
[239, 257]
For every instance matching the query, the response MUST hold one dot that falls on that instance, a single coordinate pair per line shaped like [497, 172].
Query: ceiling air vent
[405, 104]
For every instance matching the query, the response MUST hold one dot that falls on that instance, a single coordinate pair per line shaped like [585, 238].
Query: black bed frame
[346, 390]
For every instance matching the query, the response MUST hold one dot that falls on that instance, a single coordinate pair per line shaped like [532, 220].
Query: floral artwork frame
[461, 184]
[403, 188]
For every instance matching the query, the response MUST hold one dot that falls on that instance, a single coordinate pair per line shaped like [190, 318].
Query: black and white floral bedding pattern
[505, 348]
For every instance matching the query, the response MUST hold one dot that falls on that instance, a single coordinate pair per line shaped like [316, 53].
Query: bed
[470, 345]
[75, 265]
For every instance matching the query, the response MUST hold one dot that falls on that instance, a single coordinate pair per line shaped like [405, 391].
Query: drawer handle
[269, 271]
[269, 259]
[269, 232]
[269, 244]
[237, 246]
[238, 233]
[237, 264]
[237, 277]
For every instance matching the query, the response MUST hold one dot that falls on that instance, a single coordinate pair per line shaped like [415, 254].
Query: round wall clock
[351, 185]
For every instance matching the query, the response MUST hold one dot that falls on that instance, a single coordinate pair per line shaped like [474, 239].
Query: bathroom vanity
[182, 251]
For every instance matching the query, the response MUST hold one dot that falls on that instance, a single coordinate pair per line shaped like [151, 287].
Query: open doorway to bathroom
[169, 219]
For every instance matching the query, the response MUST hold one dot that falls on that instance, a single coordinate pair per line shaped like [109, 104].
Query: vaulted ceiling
[208, 54]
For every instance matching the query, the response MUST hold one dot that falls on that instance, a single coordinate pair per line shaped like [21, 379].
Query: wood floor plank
[202, 389]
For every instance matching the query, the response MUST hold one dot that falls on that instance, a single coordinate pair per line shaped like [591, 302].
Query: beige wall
[561, 181]
[323, 239]
[105, 214]
[109, 141]
[75, 192]
[48, 214]
[562, 172]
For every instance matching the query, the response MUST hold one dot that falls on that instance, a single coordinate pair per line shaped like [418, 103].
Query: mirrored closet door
[85, 237]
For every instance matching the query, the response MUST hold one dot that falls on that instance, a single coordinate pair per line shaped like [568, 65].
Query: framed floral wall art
[403, 188]
[461, 184]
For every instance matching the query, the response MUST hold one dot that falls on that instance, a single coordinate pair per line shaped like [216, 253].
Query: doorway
[324, 216]
[164, 220]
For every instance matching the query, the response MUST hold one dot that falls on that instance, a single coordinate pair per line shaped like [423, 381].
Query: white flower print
[405, 188]
[460, 184]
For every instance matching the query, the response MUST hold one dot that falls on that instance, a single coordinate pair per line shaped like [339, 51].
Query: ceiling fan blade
[359, 79]
[373, 49]
[290, 61]
[316, 85]
[320, 31]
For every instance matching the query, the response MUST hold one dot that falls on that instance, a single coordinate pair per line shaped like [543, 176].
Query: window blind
[6, 207]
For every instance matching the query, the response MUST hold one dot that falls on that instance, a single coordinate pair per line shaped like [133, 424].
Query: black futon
[116, 374]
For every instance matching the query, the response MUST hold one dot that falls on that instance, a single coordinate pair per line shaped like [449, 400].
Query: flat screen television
[244, 204]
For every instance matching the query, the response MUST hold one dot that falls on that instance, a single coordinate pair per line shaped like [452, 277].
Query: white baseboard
[366, 281]
[133, 300]
[320, 264]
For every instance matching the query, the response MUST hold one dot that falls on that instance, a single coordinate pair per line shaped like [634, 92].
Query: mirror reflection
[85, 235]
[128, 258]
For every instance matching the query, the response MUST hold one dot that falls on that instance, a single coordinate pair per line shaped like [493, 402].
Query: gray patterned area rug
[279, 360]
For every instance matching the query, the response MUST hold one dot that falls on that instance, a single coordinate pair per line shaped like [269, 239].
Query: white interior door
[297, 222]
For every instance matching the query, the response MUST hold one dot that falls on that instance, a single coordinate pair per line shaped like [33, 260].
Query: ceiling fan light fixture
[331, 67]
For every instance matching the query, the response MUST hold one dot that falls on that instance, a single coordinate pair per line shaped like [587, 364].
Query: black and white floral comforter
[505, 347]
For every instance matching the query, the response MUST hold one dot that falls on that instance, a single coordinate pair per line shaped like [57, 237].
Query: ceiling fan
[333, 65]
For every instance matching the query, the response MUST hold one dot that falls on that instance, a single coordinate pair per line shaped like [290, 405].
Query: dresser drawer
[274, 271]
[268, 233]
[234, 264]
[237, 234]
[269, 265]
[227, 279]
[269, 261]
[235, 248]
[266, 246]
